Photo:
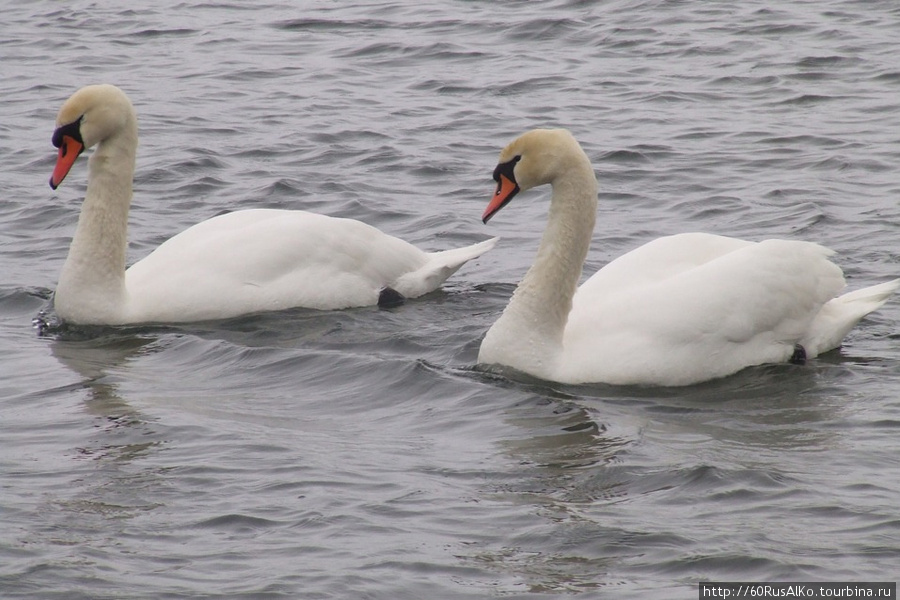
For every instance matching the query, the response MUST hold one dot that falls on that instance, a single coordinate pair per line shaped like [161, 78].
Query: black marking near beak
[507, 188]
[68, 139]
[73, 130]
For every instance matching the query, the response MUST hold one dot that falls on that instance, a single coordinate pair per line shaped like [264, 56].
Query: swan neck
[528, 335]
[92, 283]
[548, 287]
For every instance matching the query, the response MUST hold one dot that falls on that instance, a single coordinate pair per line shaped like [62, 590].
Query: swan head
[91, 115]
[535, 158]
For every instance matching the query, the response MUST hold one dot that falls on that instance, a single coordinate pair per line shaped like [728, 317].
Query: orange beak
[506, 189]
[69, 150]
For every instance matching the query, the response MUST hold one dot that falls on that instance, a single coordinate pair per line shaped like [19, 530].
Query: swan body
[237, 263]
[679, 310]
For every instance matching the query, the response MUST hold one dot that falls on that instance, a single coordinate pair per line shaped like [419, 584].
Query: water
[358, 454]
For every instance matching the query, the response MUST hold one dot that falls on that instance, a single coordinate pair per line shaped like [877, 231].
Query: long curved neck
[91, 286]
[536, 315]
[544, 296]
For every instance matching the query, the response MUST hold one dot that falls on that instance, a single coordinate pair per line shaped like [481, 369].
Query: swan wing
[687, 320]
[660, 259]
[255, 260]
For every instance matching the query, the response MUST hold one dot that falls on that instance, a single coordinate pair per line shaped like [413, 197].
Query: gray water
[358, 454]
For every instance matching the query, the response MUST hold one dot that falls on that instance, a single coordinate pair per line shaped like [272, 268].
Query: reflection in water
[126, 434]
[95, 476]
[568, 459]
[588, 478]
[569, 437]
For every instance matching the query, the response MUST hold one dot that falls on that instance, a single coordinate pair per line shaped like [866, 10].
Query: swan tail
[438, 267]
[838, 316]
[457, 257]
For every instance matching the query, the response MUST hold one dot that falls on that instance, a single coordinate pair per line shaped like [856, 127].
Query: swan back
[703, 308]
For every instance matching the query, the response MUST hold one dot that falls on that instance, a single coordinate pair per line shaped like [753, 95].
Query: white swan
[237, 263]
[676, 311]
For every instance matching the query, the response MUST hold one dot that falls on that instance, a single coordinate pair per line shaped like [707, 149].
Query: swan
[237, 263]
[677, 311]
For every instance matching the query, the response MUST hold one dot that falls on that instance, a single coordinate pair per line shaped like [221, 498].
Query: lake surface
[358, 454]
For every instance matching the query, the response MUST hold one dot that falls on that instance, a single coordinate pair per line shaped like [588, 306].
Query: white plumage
[237, 263]
[678, 310]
